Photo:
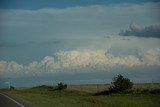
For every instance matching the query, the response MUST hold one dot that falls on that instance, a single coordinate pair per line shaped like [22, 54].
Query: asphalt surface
[6, 101]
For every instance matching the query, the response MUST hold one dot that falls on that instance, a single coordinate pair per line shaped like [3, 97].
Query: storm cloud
[142, 31]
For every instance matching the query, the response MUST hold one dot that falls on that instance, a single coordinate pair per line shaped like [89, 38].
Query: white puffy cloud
[11, 67]
[152, 57]
[77, 60]
[3, 65]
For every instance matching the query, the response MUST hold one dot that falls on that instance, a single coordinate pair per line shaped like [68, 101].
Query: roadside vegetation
[113, 96]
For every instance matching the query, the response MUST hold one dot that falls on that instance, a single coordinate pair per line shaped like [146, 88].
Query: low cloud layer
[142, 31]
[86, 60]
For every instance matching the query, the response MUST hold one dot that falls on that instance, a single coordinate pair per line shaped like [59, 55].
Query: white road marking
[21, 105]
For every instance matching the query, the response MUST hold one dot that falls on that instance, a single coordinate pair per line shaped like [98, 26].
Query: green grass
[43, 97]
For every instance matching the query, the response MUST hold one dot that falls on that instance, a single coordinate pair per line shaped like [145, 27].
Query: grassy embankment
[78, 96]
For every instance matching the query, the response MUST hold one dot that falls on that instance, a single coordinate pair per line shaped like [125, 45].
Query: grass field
[100, 87]
[78, 96]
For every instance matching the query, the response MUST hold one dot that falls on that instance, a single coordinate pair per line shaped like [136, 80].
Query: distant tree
[12, 87]
[119, 84]
[61, 86]
[44, 86]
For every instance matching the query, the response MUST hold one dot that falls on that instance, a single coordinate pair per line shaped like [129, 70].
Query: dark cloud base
[142, 31]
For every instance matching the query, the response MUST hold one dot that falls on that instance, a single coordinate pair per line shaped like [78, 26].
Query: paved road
[6, 101]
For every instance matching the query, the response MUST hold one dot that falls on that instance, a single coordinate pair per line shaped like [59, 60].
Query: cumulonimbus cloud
[142, 31]
[77, 60]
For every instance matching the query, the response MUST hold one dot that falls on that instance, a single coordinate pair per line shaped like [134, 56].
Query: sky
[78, 41]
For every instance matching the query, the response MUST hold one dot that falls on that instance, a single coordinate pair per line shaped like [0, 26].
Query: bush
[44, 87]
[155, 91]
[120, 84]
[61, 86]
